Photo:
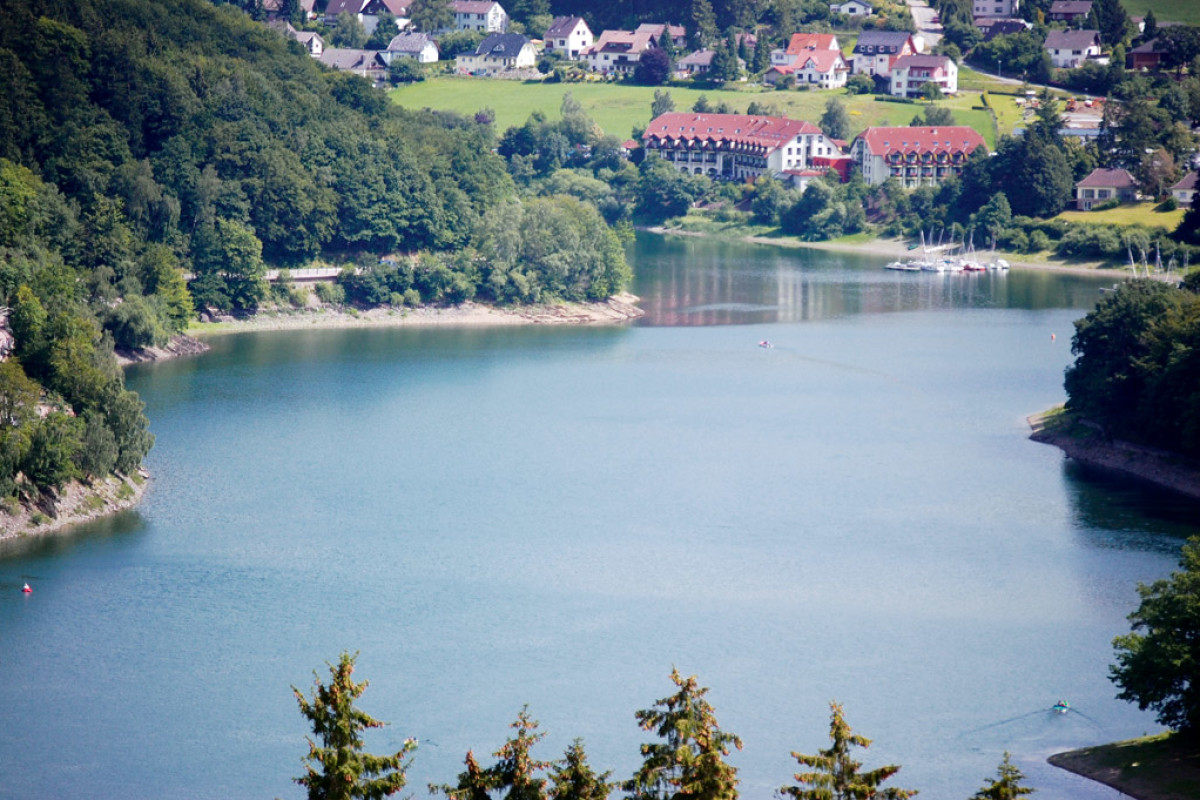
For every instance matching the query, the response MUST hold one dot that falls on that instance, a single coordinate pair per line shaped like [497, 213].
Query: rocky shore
[76, 502]
[1089, 446]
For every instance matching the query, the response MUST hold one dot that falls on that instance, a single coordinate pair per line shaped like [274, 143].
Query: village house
[498, 53]
[852, 8]
[365, 63]
[696, 63]
[1184, 192]
[1146, 56]
[803, 43]
[620, 51]
[366, 11]
[309, 40]
[914, 156]
[735, 146]
[876, 51]
[827, 69]
[1069, 49]
[479, 15]
[568, 37]
[1069, 10]
[1103, 186]
[420, 46]
[991, 27]
[910, 74]
[995, 8]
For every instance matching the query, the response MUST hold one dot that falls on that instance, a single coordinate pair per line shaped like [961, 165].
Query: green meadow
[1165, 10]
[618, 107]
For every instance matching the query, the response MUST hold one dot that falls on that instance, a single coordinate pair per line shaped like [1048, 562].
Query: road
[924, 17]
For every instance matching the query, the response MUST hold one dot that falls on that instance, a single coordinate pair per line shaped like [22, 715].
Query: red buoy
[27, 590]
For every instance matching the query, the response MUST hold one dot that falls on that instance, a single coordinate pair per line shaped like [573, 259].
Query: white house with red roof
[914, 156]
[827, 69]
[620, 51]
[568, 37]
[479, 15]
[1103, 186]
[735, 146]
[911, 73]
[802, 43]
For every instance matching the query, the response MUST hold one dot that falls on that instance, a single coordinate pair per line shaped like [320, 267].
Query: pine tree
[338, 768]
[516, 768]
[703, 30]
[690, 761]
[762, 55]
[837, 776]
[1007, 785]
[573, 778]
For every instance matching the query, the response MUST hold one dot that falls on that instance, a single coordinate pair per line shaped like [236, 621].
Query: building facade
[914, 156]
[498, 53]
[735, 146]
[1069, 49]
[479, 15]
[568, 37]
[1103, 186]
[995, 8]
[910, 74]
[876, 51]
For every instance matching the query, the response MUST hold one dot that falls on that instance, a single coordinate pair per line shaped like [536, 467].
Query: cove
[556, 516]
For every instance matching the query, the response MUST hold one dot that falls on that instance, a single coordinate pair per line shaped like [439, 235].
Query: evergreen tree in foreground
[837, 776]
[573, 778]
[1007, 785]
[338, 769]
[690, 761]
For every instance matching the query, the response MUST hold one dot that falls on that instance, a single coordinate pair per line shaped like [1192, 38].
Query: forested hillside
[147, 142]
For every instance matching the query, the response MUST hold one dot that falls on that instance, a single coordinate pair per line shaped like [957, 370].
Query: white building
[568, 37]
[852, 8]
[479, 15]
[1069, 49]
[735, 146]
[911, 73]
[412, 45]
[876, 51]
[995, 8]
[914, 156]
[498, 53]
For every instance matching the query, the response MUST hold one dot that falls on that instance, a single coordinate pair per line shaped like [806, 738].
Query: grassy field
[1165, 10]
[1152, 768]
[1128, 214]
[618, 107]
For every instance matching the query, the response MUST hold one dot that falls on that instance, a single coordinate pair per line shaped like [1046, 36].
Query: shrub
[330, 293]
[1170, 204]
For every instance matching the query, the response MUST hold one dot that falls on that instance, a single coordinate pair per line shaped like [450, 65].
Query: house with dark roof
[1069, 10]
[991, 27]
[366, 63]
[910, 74]
[1103, 186]
[498, 53]
[419, 46]
[568, 37]
[620, 51]
[1184, 192]
[876, 51]
[1146, 56]
[1069, 49]
[366, 11]
[735, 146]
[914, 156]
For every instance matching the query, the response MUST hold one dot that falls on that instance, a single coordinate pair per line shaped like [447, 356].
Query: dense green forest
[156, 156]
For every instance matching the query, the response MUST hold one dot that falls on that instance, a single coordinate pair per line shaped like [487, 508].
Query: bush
[1170, 204]
[330, 293]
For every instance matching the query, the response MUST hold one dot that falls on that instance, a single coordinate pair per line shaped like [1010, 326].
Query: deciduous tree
[1158, 662]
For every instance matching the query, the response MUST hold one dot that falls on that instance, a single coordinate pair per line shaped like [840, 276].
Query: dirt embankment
[1088, 445]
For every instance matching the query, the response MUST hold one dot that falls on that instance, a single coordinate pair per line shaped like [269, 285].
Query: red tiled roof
[766, 132]
[947, 138]
[1108, 179]
[823, 60]
[802, 42]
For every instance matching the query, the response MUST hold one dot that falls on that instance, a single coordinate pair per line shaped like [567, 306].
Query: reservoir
[557, 516]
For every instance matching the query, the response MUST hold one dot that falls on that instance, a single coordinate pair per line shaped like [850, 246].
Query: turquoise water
[557, 516]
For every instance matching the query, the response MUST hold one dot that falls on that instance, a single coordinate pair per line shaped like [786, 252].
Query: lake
[556, 516]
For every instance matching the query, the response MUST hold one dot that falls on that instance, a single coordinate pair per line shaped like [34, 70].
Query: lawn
[1165, 10]
[1128, 214]
[618, 107]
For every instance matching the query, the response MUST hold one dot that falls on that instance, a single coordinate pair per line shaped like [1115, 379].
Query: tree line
[686, 758]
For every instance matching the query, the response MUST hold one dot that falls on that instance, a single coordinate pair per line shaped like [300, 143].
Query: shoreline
[896, 248]
[1088, 446]
[1156, 767]
[76, 503]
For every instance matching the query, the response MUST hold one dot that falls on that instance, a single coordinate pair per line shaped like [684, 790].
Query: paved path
[923, 16]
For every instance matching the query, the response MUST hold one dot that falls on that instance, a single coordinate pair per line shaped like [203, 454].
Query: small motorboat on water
[904, 266]
[766, 344]
[1061, 707]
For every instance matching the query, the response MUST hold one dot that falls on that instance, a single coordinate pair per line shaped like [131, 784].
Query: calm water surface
[557, 516]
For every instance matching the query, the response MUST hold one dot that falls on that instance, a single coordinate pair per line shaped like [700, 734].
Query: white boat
[904, 266]
[997, 263]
